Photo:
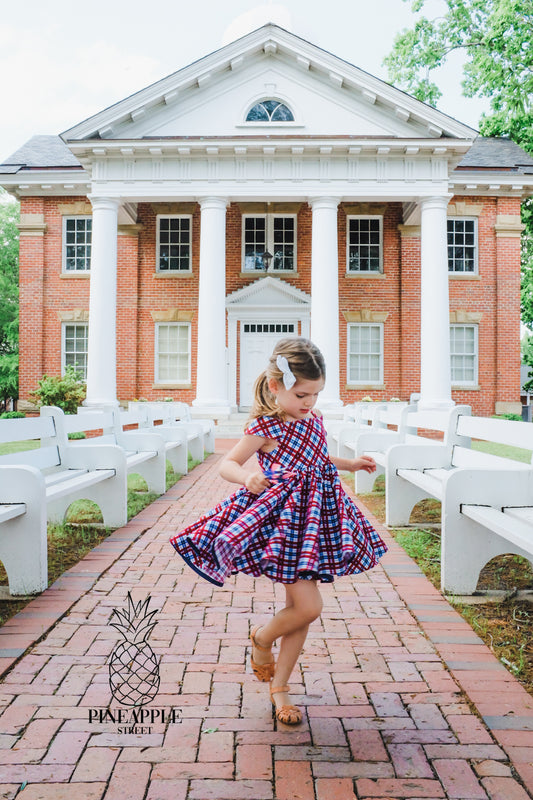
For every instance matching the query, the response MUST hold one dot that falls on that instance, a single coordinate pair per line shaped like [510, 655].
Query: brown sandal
[263, 672]
[289, 715]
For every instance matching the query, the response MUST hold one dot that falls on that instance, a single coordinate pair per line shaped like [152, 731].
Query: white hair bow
[288, 376]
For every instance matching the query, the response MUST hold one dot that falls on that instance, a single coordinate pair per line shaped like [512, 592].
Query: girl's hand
[256, 482]
[365, 463]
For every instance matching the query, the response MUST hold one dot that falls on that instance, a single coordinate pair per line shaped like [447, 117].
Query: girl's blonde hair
[306, 363]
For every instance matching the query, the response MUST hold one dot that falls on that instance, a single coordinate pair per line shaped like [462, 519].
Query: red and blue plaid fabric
[303, 526]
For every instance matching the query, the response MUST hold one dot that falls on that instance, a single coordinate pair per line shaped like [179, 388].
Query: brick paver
[401, 699]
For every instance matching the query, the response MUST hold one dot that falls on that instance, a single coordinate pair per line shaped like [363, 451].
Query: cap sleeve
[267, 427]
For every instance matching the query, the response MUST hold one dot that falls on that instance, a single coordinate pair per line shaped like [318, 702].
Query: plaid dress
[302, 526]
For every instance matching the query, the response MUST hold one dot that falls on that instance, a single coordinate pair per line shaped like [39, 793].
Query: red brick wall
[45, 294]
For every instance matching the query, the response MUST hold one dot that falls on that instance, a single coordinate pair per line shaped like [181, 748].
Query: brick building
[272, 189]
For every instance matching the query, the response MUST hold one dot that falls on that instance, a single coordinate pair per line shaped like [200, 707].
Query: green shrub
[77, 435]
[12, 415]
[67, 391]
[513, 417]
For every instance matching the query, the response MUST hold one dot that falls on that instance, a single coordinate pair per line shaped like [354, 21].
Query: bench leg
[178, 458]
[209, 441]
[153, 472]
[465, 549]
[196, 448]
[111, 497]
[400, 499]
[23, 542]
[364, 481]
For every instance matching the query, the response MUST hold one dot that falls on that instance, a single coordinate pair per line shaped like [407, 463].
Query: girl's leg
[303, 606]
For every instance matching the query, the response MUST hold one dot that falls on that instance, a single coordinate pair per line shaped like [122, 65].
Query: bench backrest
[33, 431]
[499, 431]
[441, 422]
[395, 414]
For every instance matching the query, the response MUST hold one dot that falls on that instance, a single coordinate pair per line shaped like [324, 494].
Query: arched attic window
[270, 111]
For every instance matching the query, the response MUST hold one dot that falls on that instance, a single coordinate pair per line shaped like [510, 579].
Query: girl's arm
[354, 464]
[232, 469]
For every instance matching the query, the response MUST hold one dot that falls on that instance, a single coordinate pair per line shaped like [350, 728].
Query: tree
[496, 39]
[9, 275]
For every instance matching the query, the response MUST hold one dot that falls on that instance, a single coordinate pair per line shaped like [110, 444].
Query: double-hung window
[77, 242]
[74, 347]
[274, 233]
[174, 235]
[462, 246]
[173, 352]
[365, 353]
[464, 354]
[364, 239]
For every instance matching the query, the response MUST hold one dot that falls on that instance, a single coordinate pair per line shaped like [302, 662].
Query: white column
[102, 346]
[435, 368]
[211, 374]
[325, 294]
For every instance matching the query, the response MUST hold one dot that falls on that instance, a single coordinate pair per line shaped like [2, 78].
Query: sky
[61, 62]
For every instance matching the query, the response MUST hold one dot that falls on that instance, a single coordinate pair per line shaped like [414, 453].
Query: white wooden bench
[487, 500]
[406, 479]
[145, 451]
[390, 428]
[487, 503]
[357, 418]
[200, 432]
[41, 483]
[199, 437]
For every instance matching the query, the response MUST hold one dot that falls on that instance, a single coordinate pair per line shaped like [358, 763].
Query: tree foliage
[9, 251]
[496, 39]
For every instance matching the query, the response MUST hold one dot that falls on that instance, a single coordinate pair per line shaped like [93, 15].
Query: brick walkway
[402, 699]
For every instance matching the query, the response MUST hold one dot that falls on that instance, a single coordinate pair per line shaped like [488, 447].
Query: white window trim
[166, 381]
[359, 271]
[379, 381]
[456, 273]
[63, 343]
[475, 380]
[270, 242]
[64, 269]
[159, 271]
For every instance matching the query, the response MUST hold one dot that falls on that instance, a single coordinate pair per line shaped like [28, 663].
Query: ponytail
[264, 403]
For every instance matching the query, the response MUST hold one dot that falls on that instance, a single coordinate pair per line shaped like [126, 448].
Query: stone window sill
[365, 387]
[464, 277]
[467, 388]
[278, 273]
[69, 275]
[173, 274]
[172, 386]
[365, 275]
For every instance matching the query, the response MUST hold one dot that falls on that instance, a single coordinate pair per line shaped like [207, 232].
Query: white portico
[269, 120]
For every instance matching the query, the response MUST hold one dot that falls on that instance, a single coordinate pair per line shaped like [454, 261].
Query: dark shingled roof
[497, 153]
[40, 151]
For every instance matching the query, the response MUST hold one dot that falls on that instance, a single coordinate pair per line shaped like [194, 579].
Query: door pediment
[268, 292]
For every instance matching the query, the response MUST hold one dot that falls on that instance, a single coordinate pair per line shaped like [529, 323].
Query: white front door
[257, 343]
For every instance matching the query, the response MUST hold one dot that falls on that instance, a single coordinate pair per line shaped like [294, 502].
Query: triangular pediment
[213, 96]
[268, 292]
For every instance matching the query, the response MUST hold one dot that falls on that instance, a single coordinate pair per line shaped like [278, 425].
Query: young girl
[291, 519]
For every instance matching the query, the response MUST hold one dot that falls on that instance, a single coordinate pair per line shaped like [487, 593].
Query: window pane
[365, 355]
[174, 244]
[462, 245]
[364, 248]
[77, 249]
[173, 357]
[75, 348]
[463, 349]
